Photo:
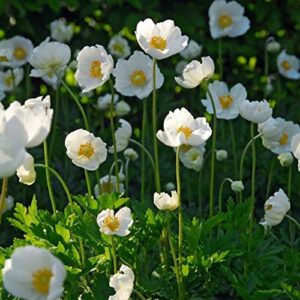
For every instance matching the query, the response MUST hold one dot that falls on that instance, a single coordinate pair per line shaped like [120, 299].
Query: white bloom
[180, 66]
[227, 19]
[5, 54]
[119, 47]
[122, 108]
[276, 208]
[103, 102]
[288, 65]
[163, 201]
[131, 154]
[34, 273]
[115, 224]
[269, 128]
[226, 102]
[122, 283]
[286, 159]
[18, 50]
[10, 79]
[134, 77]
[8, 204]
[221, 155]
[26, 171]
[180, 128]
[255, 111]
[295, 146]
[122, 136]
[85, 150]
[108, 184]
[272, 45]
[49, 58]
[195, 72]
[193, 157]
[237, 186]
[192, 50]
[160, 40]
[60, 31]
[94, 67]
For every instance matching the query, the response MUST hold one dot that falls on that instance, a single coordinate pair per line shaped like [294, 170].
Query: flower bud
[122, 108]
[285, 159]
[122, 177]
[26, 171]
[273, 46]
[163, 201]
[131, 154]
[221, 155]
[237, 186]
[170, 186]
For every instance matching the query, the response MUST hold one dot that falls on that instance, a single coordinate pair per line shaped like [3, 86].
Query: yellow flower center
[86, 150]
[286, 65]
[95, 69]
[225, 21]
[118, 48]
[112, 223]
[138, 78]
[41, 280]
[3, 58]
[107, 187]
[158, 42]
[8, 81]
[185, 148]
[187, 131]
[19, 53]
[284, 139]
[268, 207]
[225, 101]
[195, 156]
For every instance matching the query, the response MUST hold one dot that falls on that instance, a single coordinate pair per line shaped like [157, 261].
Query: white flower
[269, 129]
[122, 136]
[192, 50]
[119, 47]
[272, 45]
[26, 171]
[134, 77]
[221, 155]
[160, 40]
[60, 31]
[286, 159]
[180, 128]
[227, 19]
[115, 224]
[18, 49]
[8, 204]
[295, 146]
[122, 108]
[49, 58]
[163, 201]
[237, 186]
[85, 150]
[131, 154]
[276, 208]
[10, 79]
[180, 66]
[255, 111]
[108, 184]
[288, 65]
[195, 72]
[122, 283]
[94, 67]
[34, 273]
[103, 102]
[226, 102]
[193, 157]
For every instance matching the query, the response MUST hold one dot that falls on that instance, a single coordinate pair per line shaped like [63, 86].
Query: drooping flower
[108, 184]
[34, 273]
[10, 79]
[26, 171]
[221, 155]
[192, 50]
[226, 102]
[60, 31]
[276, 208]
[237, 186]
[122, 283]
[94, 67]
[164, 201]
[285, 159]
[295, 146]
[192, 157]
[115, 224]
[160, 40]
[103, 102]
[195, 72]
[85, 150]
[131, 154]
[272, 45]
[227, 19]
[122, 136]
[255, 111]
[119, 47]
[288, 65]
[180, 128]
[134, 77]
[122, 108]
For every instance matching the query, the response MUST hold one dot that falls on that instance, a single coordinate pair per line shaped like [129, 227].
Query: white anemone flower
[122, 283]
[34, 273]
[286, 159]
[103, 102]
[115, 224]
[160, 40]
[192, 50]
[122, 136]
[226, 101]
[108, 184]
[119, 47]
[85, 150]
[49, 58]
[94, 67]
[10, 79]
[180, 128]
[193, 157]
[164, 201]
[5, 54]
[255, 111]
[60, 31]
[288, 65]
[134, 77]
[276, 208]
[195, 72]
[227, 19]
[26, 171]
[295, 145]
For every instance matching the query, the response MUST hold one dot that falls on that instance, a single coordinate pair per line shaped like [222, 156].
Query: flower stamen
[286, 65]
[112, 223]
[284, 139]
[19, 53]
[158, 42]
[225, 21]
[225, 101]
[86, 150]
[41, 280]
[95, 69]
[187, 131]
[138, 78]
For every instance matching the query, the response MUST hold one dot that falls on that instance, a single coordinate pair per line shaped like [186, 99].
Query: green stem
[221, 193]
[126, 176]
[139, 294]
[114, 255]
[294, 221]
[220, 58]
[50, 190]
[200, 202]
[54, 125]
[3, 196]
[81, 245]
[154, 120]
[28, 81]
[88, 182]
[144, 124]
[233, 149]
[290, 182]
[252, 177]
[270, 175]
